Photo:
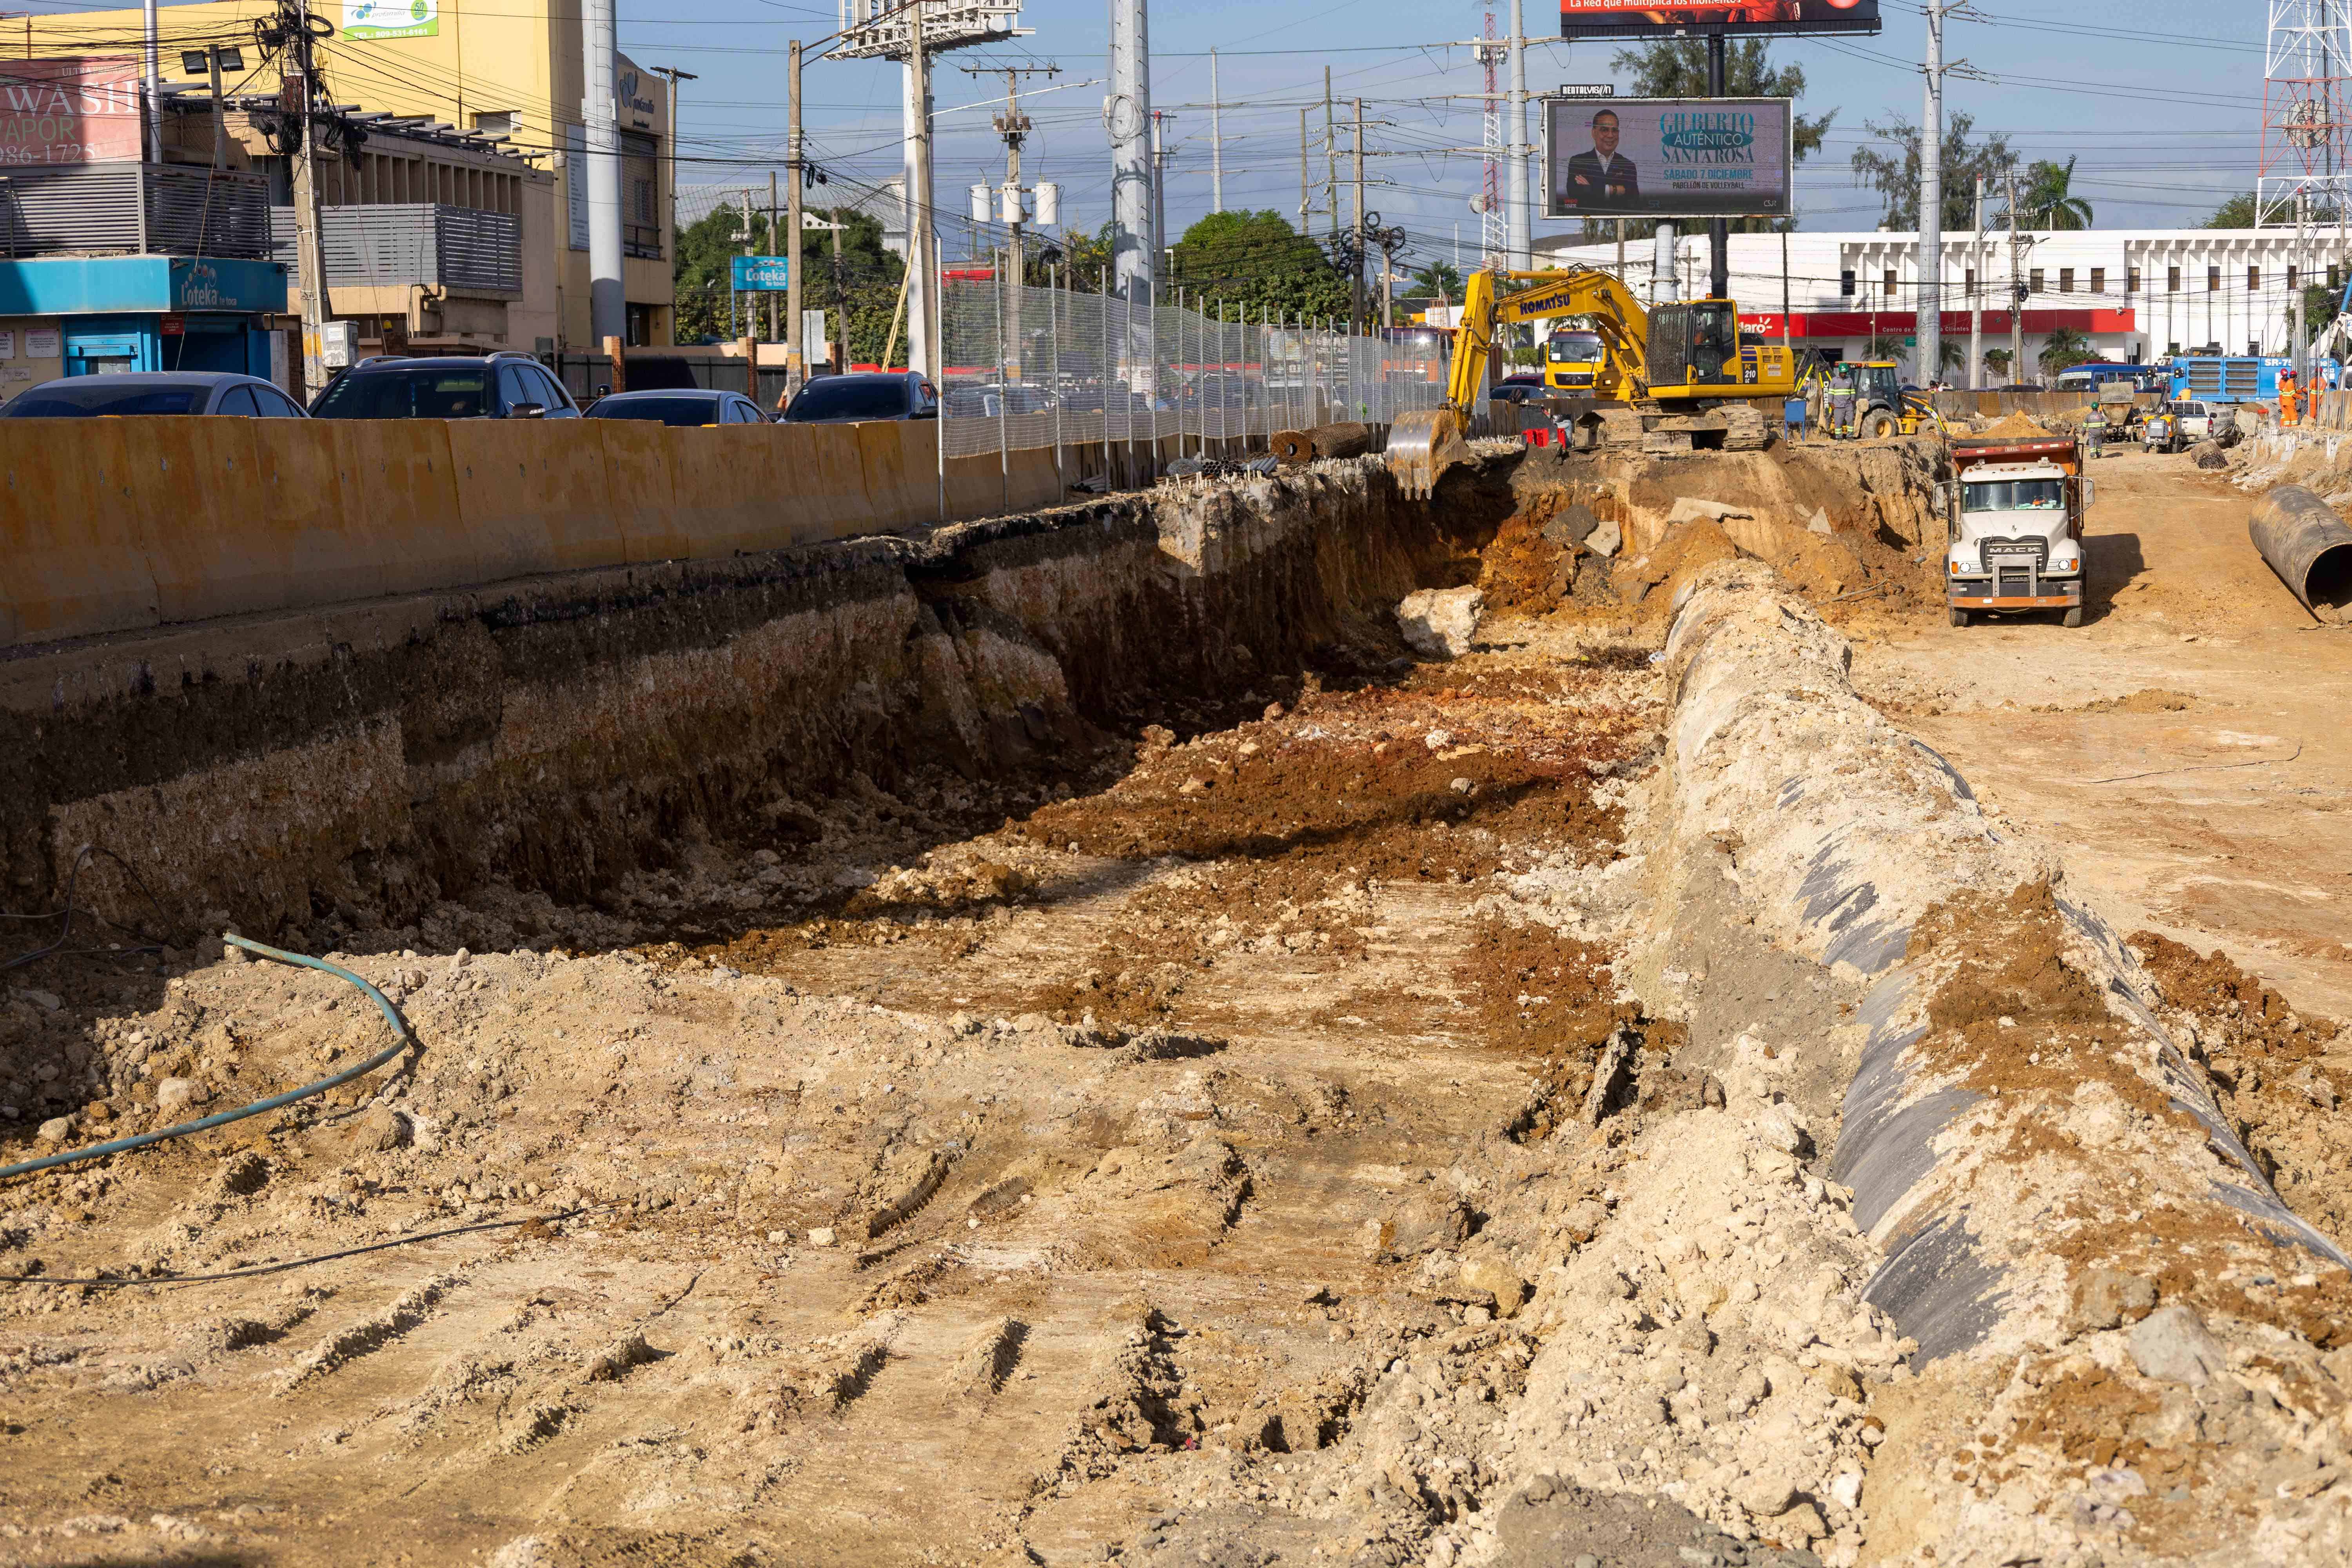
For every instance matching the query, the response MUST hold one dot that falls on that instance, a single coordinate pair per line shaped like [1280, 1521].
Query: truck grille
[2014, 565]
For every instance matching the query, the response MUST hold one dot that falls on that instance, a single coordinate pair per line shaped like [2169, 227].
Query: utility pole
[2016, 289]
[795, 148]
[922, 236]
[297, 94]
[1014, 127]
[1305, 201]
[220, 111]
[2302, 277]
[154, 82]
[1930, 329]
[1216, 141]
[608, 310]
[1356, 275]
[771, 248]
[675, 77]
[1975, 297]
[1718, 230]
[1159, 156]
[1135, 263]
[1522, 220]
[1330, 158]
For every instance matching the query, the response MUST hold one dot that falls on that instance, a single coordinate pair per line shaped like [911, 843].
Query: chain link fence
[1026, 366]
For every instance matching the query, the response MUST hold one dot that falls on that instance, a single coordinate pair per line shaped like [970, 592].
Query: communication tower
[2307, 70]
[1494, 231]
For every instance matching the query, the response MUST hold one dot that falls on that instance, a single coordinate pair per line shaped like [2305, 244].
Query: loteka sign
[83, 110]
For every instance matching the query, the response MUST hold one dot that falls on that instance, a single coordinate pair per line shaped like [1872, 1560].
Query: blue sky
[2160, 99]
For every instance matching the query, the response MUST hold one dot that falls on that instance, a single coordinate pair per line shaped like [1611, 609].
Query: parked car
[861, 395]
[501, 386]
[152, 392]
[694, 407]
[986, 400]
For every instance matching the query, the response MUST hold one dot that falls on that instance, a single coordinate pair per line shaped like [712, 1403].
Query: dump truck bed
[1968, 451]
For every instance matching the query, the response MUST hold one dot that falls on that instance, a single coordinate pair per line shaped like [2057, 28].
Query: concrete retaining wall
[110, 526]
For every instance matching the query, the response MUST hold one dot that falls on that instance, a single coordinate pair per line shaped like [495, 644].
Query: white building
[2136, 294]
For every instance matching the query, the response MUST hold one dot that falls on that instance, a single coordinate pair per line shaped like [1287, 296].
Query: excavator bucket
[1422, 445]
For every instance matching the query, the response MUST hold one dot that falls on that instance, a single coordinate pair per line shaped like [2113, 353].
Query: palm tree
[2049, 195]
[1439, 279]
[2064, 347]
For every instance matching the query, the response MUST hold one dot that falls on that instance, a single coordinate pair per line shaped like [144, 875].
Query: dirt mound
[2020, 424]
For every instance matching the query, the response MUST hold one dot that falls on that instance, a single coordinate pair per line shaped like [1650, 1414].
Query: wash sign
[79, 110]
[761, 274]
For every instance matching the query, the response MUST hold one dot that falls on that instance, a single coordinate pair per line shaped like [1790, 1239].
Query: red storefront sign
[83, 110]
[1840, 324]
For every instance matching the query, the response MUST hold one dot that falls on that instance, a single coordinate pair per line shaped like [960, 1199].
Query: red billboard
[82, 109]
[1633, 19]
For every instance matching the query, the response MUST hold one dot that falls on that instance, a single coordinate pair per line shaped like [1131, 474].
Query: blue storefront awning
[93, 285]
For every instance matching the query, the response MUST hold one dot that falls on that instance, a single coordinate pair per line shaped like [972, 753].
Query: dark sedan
[866, 394]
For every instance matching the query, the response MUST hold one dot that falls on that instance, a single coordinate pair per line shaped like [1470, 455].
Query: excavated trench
[1073, 1038]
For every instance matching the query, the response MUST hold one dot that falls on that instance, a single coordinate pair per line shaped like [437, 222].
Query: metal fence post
[1054, 372]
[1004, 397]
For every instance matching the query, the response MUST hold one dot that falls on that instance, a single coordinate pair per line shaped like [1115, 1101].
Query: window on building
[2293, 277]
[2212, 280]
[2065, 280]
[644, 202]
[2131, 280]
[2253, 349]
[2254, 280]
[1888, 283]
[2334, 277]
[2034, 281]
[1972, 283]
[2173, 348]
[640, 166]
[2172, 279]
[2098, 279]
[1845, 285]
[495, 122]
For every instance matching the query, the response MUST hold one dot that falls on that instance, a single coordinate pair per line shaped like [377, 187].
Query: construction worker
[2289, 406]
[2094, 433]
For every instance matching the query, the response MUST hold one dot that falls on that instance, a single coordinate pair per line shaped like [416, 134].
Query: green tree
[1997, 361]
[2238, 212]
[2064, 347]
[1438, 280]
[1255, 261]
[1676, 68]
[1895, 174]
[2049, 198]
[864, 280]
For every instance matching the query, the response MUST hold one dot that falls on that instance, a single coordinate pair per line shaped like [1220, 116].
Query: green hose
[402, 1038]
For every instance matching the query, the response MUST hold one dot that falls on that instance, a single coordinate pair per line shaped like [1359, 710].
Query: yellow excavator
[1678, 373]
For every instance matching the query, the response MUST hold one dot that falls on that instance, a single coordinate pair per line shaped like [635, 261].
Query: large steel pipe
[2308, 546]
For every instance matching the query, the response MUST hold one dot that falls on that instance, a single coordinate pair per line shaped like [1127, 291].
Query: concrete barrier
[71, 559]
[113, 525]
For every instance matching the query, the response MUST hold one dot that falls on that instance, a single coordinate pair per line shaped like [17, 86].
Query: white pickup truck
[2013, 523]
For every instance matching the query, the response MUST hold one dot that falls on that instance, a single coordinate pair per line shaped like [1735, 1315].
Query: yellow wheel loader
[1674, 378]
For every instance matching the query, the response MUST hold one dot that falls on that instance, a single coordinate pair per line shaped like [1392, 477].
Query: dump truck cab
[2014, 533]
[1572, 358]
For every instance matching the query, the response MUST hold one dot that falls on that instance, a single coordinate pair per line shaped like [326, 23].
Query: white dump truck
[2014, 520]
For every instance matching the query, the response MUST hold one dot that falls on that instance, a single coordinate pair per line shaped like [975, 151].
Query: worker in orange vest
[2289, 409]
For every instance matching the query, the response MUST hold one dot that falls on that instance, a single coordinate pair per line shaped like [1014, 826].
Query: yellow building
[511, 69]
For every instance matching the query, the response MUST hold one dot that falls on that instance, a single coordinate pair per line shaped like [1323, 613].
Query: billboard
[1668, 157]
[1633, 19]
[83, 110]
[366, 19]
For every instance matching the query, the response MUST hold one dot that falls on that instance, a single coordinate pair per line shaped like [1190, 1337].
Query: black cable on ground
[404, 1038]
[65, 933]
[258, 1269]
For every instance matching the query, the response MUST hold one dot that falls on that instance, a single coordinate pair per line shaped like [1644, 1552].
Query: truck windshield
[2014, 495]
[1575, 348]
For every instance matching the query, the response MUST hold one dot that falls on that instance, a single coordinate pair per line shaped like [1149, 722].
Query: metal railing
[85, 208]
[1026, 366]
[393, 244]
